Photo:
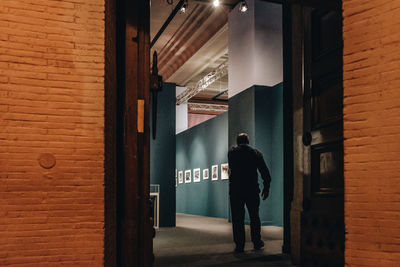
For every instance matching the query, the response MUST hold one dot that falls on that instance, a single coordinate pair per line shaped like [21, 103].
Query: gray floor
[205, 241]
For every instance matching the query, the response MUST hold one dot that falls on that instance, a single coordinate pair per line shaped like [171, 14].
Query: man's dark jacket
[243, 163]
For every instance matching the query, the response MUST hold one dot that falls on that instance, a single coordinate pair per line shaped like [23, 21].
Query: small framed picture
[224, 171]
[188, 176]
[214, 172]
[196, 175]
[205, 174]
[180, 177]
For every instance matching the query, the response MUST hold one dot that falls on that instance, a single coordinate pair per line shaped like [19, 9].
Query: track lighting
[216, 3]
[243, 6]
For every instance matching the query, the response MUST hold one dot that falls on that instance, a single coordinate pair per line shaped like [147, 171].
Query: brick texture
[51, 101]
[372, 131]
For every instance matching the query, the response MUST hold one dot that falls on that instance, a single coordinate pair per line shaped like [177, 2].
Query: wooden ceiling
[193, 44]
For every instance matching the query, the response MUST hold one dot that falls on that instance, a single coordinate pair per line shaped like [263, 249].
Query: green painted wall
[258, 111]
[162, 155]
[201, 147]
[269, 140]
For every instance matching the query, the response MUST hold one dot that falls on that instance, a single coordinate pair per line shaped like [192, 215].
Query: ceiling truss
[203, 83]
[203, 107]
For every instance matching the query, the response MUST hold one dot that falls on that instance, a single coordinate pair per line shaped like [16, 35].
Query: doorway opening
[292, 96]
[194, 192]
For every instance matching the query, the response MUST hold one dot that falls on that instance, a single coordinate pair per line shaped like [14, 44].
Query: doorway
[199, 154]
[300, 246]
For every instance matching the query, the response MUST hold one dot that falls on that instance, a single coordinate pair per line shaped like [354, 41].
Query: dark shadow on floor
[204, 241]
[251, 258]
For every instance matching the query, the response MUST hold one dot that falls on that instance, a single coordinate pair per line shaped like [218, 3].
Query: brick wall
[372, 131]
[51, 108]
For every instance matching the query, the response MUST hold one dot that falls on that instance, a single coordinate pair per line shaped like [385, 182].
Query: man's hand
[265, 195]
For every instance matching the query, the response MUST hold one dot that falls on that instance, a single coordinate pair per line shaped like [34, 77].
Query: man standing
[244, 161]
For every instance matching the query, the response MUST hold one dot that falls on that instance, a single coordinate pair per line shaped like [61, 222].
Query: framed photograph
[188, 176]
[180, 177]
[224, 171]
[205, 174]
[214, 172]
[196, 175]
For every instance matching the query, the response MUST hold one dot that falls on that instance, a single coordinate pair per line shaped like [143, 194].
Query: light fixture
[243, 6]
[184, 7]
[216, 3]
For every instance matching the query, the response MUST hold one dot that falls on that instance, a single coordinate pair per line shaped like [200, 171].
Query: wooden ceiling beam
[214, 19]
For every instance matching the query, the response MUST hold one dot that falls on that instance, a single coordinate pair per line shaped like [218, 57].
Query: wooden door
[132, 52]
[322, 220]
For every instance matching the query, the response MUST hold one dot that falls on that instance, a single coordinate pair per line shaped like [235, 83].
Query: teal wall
[162, 155]
[258, 111]
[269, 140]
[201, 147]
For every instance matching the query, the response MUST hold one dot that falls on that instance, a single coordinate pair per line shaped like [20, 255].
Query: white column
[181, 113]
[255, 46]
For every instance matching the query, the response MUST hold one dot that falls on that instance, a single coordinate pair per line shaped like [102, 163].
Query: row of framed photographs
[186, 176]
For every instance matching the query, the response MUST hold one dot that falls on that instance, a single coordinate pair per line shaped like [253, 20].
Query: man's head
[242, 139]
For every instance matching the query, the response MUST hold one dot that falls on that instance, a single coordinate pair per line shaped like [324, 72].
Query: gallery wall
[162, 155]
[201, 147]
[258, 111]
[269, 140]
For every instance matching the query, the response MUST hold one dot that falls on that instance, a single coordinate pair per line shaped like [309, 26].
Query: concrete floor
[206, 241]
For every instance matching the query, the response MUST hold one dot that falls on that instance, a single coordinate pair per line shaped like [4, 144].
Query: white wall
[255, 46]
[241, 36]
[181, 113]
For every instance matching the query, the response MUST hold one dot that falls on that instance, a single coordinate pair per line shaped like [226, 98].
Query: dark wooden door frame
[128, 232]
[287, 125]
[110, 135]
[289, 92]
[296, 91]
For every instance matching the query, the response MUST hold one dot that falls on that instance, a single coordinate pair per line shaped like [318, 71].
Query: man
[244, 161]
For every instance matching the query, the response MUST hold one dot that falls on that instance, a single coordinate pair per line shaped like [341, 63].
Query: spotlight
[243, 6]
[184, 7]
[216, 3]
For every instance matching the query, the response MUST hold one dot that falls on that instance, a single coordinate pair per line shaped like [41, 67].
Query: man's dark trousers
[252, 202]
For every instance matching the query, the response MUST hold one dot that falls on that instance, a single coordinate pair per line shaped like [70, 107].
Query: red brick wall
[51, 101]
[195, 119]
[371, 33]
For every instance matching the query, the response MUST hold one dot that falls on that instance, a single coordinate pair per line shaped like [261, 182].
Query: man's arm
[263, 169]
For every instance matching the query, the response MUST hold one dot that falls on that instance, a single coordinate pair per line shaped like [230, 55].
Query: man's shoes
[258, 245]
[238, 250]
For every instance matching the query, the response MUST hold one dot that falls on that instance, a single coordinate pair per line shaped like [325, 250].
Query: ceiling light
[243, 6]
[216, 3]
[184, 7]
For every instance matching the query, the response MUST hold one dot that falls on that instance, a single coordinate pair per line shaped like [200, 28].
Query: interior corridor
[206, 241]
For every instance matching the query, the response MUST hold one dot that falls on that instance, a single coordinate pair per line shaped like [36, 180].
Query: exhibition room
[231, 83]
[122, 133]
